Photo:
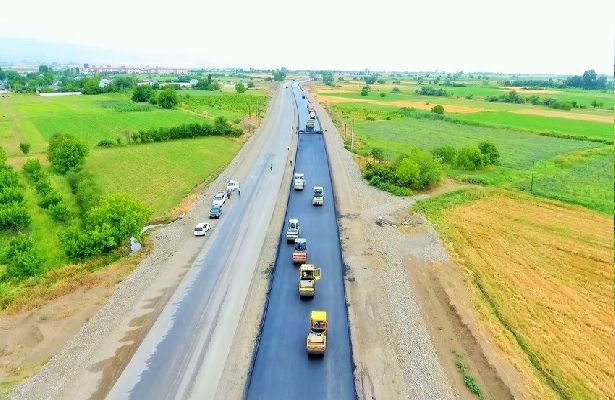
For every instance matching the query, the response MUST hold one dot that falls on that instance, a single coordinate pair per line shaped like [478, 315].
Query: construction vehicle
[319, 198]
[316, 341]
[292, 233]
[300, 251]
[309, 125]
[299, 181]
[308, 275]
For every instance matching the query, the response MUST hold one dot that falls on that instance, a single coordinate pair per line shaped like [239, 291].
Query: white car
[201, 229]
[232, 186]
[219, 199]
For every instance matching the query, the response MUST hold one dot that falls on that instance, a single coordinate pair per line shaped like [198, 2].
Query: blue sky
[520, 36]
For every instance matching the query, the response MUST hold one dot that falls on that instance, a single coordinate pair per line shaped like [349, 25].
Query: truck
[308, 275]
[299, 181]
[292, 233]
[309, 125]
[300, 251]
[319, 198]
[316, 341]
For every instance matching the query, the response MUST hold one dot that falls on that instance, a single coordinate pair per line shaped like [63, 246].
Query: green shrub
[491, 155]
[469, 158]
[167, 98]
[364, 90]
[11, 195]
[3, 156]
[437, 109]
[25, 147]
[429, 91]
[8, 177]
[87, 194]
[142, 93]
[32, 166]
[59, 211]
[66, 152]
[395, 90]
[49, 198]
[106, 227]
[22, 258]
[106, 143]
[446, 154]
[383, 94]
[13, 216]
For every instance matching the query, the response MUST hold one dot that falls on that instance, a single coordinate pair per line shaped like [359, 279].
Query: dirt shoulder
[93, 354]
[406, 332]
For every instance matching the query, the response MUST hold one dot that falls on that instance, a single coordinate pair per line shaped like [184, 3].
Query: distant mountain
[32, 51]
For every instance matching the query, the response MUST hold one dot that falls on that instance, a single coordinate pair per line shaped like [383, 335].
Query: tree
[239, 87]
[91, 86]
[364, 90]
[469, 158]
[491, 155]
[279, 74]
[142, 93]
[371, 79]
[437, 109]
[43, 69]
[167, 98]
[25, 147]
[328, 79]
[66, 152]
[589, 79]
[23, 259]
[250, 84]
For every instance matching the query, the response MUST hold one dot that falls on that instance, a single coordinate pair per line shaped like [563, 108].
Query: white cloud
[475, 35]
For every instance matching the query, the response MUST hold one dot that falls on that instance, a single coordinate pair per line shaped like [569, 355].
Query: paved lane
[282, 368]
[184, 353]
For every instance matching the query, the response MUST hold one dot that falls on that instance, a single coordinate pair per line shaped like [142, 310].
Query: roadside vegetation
[74, 186]
[568, 159]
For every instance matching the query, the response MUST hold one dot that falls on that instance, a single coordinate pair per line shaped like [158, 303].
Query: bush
[167, 98]
[32, 167]
[221, 127]
[446, 154]
[49, 198]
[106, 143]
[8, 177]
[87, 194]
[364, 90]
[59, 212]
[429, 91]
[25, 147]
[11, 195]
[22, 258]
[3, 156]
[377, 153]
[13, 216]
[142, 93]
[395, 90]
[437, 109]
[106, 226]
[491, 155]
[469, 158]
[66, 152]
[383, 94]
[240, 87]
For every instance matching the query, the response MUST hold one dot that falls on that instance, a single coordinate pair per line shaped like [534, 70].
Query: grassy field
[35, 119]
[171, 168]
[541, 277]
[233, 106]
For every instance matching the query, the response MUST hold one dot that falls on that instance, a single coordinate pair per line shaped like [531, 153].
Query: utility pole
[532, 181]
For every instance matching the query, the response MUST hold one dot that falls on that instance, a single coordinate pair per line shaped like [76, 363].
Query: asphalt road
[183, 355]
[282, 369]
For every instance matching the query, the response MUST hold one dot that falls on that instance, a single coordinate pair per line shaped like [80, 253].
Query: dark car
[215, 211]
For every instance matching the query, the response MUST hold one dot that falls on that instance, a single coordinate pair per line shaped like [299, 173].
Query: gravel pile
[405, 331]
[59, 374]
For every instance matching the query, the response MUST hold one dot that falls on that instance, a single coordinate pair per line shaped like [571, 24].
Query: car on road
[219, 199]
[215, 211]
[299, 181]
[232, 186]
[319, 198]
[201, 229]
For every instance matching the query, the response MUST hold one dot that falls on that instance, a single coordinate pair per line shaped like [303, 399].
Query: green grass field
[35, 119]
[233, 106]
[574, 171]
[161, 174]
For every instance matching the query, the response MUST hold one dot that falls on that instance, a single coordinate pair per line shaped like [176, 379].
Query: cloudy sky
[515, 36]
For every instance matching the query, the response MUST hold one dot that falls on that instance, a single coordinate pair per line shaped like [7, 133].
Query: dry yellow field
[607, 119]
[453, 108]
[541, 275]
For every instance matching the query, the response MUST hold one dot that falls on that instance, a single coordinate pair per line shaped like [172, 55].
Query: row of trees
[49, 198]
[468, 157]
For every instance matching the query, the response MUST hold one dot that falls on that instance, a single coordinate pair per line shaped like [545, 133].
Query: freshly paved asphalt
[184, 353]
[282, 368]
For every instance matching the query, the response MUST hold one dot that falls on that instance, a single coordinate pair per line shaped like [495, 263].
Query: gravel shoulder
[393, 350]
[89, 363]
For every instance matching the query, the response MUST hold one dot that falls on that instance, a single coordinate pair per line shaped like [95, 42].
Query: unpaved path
[404, 327]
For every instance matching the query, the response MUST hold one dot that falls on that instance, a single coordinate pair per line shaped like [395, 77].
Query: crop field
[233, 106]
[541, 277]
[35, 119]
[171, 168]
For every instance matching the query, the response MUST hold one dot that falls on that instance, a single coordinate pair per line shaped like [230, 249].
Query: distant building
[104, 83]
[193, 82]
[55, 86]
